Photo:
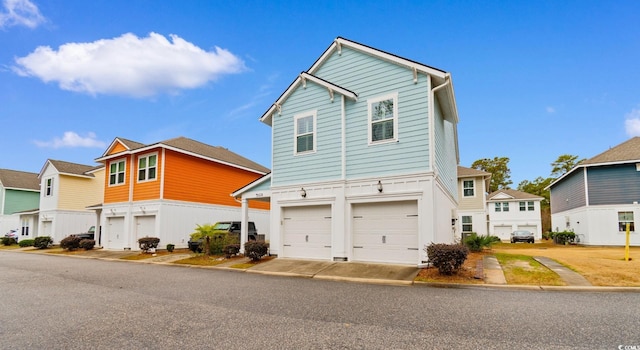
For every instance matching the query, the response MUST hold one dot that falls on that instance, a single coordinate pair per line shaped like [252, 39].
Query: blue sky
[533, 79]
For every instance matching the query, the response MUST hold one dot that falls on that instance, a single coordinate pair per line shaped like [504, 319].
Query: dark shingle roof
[515, 194]
[73, 168]
[626, 151]
[19, 179]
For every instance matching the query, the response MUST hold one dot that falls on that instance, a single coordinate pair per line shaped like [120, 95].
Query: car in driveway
[15, 234]
[522, 236]
[232, 228]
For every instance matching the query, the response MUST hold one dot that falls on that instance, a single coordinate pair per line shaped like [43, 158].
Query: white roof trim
[179, 150]
[341, 42]
[266, 117]
[251, 185]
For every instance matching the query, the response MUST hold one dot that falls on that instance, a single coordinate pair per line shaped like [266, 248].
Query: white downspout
[344, 138]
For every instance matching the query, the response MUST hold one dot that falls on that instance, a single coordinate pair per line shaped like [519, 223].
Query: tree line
[501, 179]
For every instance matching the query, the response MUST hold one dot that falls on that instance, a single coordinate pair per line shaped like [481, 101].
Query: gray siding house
[598, 197]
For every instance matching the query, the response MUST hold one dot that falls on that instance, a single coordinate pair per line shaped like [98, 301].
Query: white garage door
[531, 228]
[503, 232]
[307, 232]
[386, 232]
[115, 233]
[46, 229]
[145, 226]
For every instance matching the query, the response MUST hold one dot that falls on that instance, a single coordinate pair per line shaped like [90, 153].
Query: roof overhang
[302, 80]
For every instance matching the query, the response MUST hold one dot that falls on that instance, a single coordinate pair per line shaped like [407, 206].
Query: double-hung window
[530, 206]
[624, 218]
[305, 132]
[147, 167]
[467, 224]
[383, 118]
[502, 206]
[116, 172]
[468, 189]
[48, 189]
[527, 206]
[523, 206]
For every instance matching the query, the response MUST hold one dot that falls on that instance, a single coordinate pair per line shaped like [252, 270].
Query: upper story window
[147, 167]
[116, 172]
[383, 118]
[468, 188]
[526, 206]
[305, 132]
[48, 187]
[624, 218]
[502, 206]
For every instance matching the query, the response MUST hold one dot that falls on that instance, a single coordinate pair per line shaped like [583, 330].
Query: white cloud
[72, 139]
[128, 65]
[551, 110]
[20, 13]
[632, 123]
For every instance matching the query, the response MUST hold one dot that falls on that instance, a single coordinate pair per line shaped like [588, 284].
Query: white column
[244, 225]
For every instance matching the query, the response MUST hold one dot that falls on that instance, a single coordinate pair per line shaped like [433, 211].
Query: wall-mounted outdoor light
[379, 186]
[303, 193]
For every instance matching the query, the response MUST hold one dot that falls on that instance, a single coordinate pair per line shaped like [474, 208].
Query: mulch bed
[467, 273]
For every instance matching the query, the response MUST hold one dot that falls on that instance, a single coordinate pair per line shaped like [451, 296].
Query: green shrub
[255, 250]
[70, 242]
[42, 242]
[447, 258]
[170, 247]
[218, 239]
[563, 237]
[230, 250]
[8, 241]
[476, 243]
[148, 243]
[26, 243]
[87, 244]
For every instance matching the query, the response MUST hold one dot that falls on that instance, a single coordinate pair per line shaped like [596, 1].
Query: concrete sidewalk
[339, 271]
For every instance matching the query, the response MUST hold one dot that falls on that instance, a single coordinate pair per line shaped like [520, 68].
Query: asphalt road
[59, 302]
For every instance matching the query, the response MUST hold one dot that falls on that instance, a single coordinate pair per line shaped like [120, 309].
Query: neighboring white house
[364, 156]
[511, 210]
[600, 196]
[473, 185]
[67, 189]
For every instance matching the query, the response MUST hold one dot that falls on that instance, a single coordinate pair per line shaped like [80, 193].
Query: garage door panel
[307, 232]
[385, 232]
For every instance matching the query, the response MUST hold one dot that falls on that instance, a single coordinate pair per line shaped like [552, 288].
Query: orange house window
[116, 172]
[147, 167]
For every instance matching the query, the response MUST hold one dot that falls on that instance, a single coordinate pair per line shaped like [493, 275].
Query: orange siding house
[167, 188]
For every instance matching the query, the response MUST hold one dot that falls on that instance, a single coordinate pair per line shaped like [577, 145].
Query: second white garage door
[307, 232]
[503, 232]
[385, 232]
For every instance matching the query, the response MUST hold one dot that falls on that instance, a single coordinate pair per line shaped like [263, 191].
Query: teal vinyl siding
[322, 164]
[265, 186]
[445, 154]
[16, 200]
[616, 184]
[370, 77]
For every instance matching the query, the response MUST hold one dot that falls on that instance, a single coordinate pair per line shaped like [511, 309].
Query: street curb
[592, 289]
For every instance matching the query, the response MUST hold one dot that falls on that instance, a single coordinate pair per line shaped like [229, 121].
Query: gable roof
[626, 152]
[470, 172]
[19, 180]
[69, 168]
[513, 194]
[440, 77]
[198, 149]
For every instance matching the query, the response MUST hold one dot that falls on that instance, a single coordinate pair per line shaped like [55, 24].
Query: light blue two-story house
[600, 196]
[364, 159]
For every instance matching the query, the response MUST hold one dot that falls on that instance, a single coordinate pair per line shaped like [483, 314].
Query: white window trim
[147, 155]
[473, 181]
[314, 115]
[48, 188]
[109, 173]
[467, 223]
[370, 101]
